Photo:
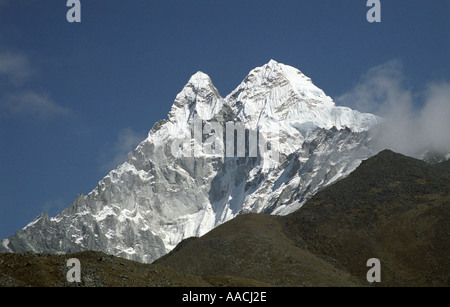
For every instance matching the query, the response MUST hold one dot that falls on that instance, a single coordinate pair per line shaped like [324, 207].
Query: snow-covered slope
[170, 188]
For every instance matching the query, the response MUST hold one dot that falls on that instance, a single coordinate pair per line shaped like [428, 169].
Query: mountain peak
[275, 74]
[160, 195]
[272, 62]
[200, 78]
[199, 85]
[198, 95]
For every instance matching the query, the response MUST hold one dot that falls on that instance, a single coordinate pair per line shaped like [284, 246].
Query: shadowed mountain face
[392, 207]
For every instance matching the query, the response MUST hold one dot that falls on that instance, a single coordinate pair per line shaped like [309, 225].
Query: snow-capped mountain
[171, 187]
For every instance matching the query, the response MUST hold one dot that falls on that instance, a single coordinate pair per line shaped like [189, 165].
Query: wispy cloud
[379, 90]
[52, 206]
[36, 105]
[126, 141]
[434, 117]
[414, 122]
[15, 67]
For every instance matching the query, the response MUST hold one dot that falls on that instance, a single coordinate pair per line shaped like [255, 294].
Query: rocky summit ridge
[171, 189]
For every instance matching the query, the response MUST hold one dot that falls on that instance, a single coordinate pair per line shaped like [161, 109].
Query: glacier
[142, 209]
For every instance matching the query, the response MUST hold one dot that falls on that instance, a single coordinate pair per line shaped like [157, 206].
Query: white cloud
[33, 104]
[434, 118]
[15, 67]
[407, 128]
[380, 89]
[127, 140]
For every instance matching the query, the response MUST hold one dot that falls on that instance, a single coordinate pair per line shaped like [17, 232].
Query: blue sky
[75, 97]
